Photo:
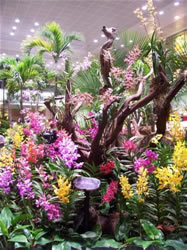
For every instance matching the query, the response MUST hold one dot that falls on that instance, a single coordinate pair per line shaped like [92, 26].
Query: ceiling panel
[85, 16]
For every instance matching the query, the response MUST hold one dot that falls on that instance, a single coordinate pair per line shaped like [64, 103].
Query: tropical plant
[52, 40]
[17, 73]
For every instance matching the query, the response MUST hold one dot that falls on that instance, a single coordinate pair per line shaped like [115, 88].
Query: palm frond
[88, 81]
[29, 44]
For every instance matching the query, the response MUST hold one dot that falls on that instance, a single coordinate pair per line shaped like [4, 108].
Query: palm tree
[52, 40]
[17, 73]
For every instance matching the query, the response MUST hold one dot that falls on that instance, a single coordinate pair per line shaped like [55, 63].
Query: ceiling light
[122, 45]
[102, 35]
[32, 30]
[161, 12]
[36, 24]
[176, 4]
[28, 36]
[117, 38]
[144, 7]
[130, 41]
[177, 17]
[95, 41]
[14, 27]
[17, 20]
[12, 33]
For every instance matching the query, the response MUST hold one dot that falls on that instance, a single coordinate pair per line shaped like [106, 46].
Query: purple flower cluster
[24, 183]
[146, 163]
[53, 210]
[64, 149]
[5, 180]
[25, 188]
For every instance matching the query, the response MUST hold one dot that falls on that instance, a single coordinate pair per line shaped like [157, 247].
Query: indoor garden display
[108, 169]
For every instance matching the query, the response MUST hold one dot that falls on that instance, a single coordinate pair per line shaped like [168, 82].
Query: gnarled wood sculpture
[105, 56]
[109, 130]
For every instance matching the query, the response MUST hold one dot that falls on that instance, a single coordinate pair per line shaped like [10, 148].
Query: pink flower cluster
[129, 146]
[133, 56]
[35, 122]
[84, 65]
[107, 167]
[44, 176]
[64, 149]
[130, 80]
[53, 210]
[111, 191]
[146, 163]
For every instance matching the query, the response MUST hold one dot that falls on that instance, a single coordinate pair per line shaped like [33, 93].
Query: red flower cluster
[107, 167]
[111, 191]
[32, 151]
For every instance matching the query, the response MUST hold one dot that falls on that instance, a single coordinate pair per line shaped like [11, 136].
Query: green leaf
[19, 238]
[60, 246]
[89, 235]
[6, 217]
[178, 245]
[107, 243]
[43, 241]
[19, 218]
[39, 235]
[57, 238]
[19, 245]
[151, 231]
[4, 230]
[76, 245]
[122, 229]
[146, 243]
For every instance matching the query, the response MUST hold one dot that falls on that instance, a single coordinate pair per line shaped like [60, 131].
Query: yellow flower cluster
[176, 131]
[169, 177]
[142, 184]
[156, 138]
[63, 190]
[16, 135]
[126, 187]
[140, 16]
[5, 157]
[180, 156]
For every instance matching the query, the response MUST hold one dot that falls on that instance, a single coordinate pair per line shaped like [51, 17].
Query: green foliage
[88, 81]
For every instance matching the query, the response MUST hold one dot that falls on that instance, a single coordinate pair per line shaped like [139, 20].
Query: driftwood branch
[105, 56]
[129, 109]
[95, 153]
[47, 103]
[162, 115]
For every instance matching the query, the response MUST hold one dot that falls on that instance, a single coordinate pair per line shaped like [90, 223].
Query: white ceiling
[85, 16]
